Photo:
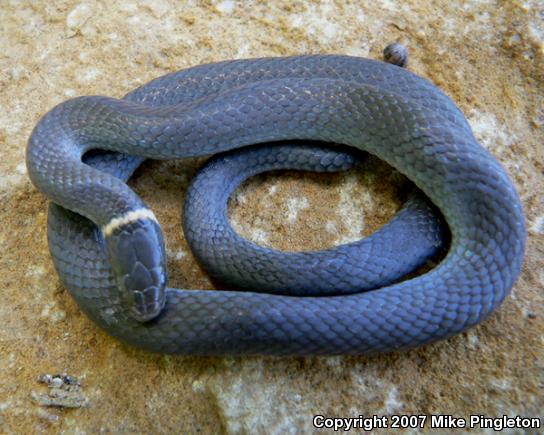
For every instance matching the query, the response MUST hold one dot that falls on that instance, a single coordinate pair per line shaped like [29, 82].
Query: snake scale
[109, 252]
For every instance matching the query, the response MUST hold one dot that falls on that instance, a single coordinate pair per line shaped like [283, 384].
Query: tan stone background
[487, 55]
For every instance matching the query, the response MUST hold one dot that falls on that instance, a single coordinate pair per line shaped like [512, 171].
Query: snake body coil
[109, 252]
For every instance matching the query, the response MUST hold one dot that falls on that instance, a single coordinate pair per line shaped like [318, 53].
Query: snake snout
[136, 248]
[147, 304]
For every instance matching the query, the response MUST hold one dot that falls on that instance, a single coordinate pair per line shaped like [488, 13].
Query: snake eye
[136, 249]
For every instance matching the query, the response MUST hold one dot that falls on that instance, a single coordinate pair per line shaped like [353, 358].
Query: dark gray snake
[112, 260]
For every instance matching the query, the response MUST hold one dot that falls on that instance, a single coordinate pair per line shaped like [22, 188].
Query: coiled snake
[109, 252]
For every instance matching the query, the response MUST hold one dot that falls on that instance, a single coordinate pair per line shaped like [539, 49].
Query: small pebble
[396, 53]
[65, 391]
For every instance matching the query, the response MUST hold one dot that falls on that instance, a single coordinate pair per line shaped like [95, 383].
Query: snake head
[136, 248]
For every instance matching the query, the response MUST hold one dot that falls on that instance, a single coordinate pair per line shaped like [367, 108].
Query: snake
[309, 112]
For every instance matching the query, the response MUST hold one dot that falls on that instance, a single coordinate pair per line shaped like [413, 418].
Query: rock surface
[488, 57]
